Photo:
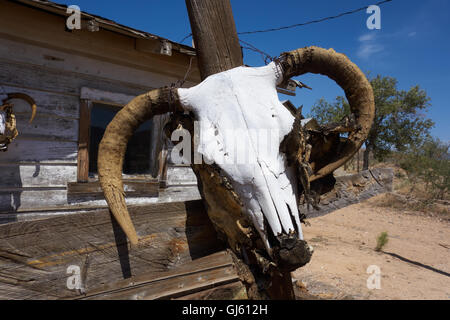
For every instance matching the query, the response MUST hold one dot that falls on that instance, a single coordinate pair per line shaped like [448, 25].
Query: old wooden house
[79, 79]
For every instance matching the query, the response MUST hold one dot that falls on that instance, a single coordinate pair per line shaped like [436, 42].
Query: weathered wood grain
[148, 188]
[198, 275]
[58, 81]
[44, 29]
[18, 51]
[17, 198]
[35, 255]
[48, 128]
[26, 150]
[16, 202]
[351, 189]
[83, 141]
[36, 175]
[49, 104]
[106, 97]
[180, 175]
[215, 36]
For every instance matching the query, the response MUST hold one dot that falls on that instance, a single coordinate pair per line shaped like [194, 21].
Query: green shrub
[382, 240]
[429, 163]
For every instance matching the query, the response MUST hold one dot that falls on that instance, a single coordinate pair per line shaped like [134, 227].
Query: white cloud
[368, 45]
[412, 34]
[367, 37]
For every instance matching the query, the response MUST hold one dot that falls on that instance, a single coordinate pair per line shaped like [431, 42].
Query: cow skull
[243, 124]
[241, 102]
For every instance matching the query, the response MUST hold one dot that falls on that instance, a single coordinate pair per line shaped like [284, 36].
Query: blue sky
[413, 44]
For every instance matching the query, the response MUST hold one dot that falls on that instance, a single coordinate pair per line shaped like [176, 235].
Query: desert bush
[429, 163]
[382, 240]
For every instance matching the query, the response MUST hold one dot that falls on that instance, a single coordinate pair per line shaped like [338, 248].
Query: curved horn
[28, 99]
[112, 148]
[351, 79]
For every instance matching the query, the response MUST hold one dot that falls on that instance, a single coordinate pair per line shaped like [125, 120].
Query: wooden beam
[163, 165]
[218, 49]
[83, 141]
[215, 36]
[201, 274]
[147, 188]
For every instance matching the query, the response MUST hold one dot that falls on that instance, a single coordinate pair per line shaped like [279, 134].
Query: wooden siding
[53, 66]
[35, 256]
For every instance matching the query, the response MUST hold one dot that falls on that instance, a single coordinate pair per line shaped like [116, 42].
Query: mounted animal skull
[259, 195]
[8, 129]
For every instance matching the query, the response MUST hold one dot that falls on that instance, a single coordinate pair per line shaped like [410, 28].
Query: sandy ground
[415, 263]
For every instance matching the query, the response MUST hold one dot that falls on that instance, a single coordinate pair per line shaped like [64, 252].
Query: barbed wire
[266, 57]
[304, 23]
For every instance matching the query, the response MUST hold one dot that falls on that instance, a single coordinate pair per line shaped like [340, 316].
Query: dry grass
[410, 196]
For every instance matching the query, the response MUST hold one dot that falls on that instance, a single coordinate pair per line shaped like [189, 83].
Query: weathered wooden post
[217, 43]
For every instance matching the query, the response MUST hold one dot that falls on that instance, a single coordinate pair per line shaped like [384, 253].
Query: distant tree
[399, 123]
[429, 162]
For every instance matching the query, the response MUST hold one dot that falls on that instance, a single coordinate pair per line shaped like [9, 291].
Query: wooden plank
[29, 200]
[179, 286]
[48, 128]
[200, 274]
[132, 188]
[35, 255]
[229, 291]
[59, 105]
[36, 175]
[100, 96]
[17, 198]
[162, 172]
[58, 81]
[180, 175]
[83, 141]
[27, 150]
[19, 51]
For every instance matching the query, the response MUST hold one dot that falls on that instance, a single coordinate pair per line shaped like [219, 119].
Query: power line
[304, 23]
[313, 21]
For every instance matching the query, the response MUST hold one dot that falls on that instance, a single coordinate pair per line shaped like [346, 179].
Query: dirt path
[415, 263]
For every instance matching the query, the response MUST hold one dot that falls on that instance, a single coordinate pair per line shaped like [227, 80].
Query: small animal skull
[8, 129]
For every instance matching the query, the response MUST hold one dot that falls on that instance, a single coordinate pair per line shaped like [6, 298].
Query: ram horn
[26, 98]
[351, 79]
[113, 146]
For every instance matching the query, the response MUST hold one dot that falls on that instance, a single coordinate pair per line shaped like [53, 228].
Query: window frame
[88, 97]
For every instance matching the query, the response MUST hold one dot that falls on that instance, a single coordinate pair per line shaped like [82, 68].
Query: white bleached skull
[240, 113]
[241, 105]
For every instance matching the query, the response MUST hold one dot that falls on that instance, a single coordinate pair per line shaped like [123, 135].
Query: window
[137, 157]
[97, 109]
